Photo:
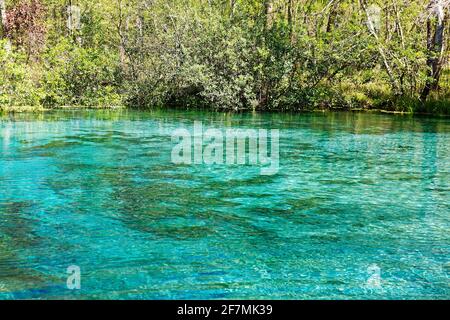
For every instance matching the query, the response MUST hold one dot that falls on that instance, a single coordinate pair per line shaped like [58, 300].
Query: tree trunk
[232, 7]
[121, 26]
[387, 23]
[290, 12]
[395, 86]
[269, 13]
[435, 44]
[332, 16]
[290, 16]
[2, 18]
[398, 23]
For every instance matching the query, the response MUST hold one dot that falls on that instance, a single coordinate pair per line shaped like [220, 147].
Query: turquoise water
[357, 196]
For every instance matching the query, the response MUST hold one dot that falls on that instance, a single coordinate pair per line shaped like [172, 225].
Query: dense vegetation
[226, 54]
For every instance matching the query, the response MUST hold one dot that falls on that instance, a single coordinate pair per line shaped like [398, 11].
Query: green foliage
[224, 55]
[208, 64]
[74, 75]
[16, 83]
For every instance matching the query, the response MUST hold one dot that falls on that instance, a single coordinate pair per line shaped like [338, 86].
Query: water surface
[97, 189]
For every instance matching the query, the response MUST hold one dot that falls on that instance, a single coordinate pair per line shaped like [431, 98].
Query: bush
[203, 59]
[211, 64]
[79, 76]
[16, 84]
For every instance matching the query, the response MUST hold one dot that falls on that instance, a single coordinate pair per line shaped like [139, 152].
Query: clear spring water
[357, 196]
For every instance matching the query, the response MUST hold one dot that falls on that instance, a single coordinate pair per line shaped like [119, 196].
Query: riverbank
[21, 109]
[431, 109]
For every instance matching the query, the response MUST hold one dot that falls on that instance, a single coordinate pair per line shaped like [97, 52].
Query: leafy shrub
[16, 84]
[79, 76]
[209, 65]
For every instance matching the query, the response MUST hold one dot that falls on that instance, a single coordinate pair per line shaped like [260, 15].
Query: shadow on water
[17, 239]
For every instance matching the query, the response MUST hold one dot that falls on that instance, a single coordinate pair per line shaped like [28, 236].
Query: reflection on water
[97, 189]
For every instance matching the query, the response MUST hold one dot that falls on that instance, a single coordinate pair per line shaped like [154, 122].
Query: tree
[268, 6]
[436, 21]
[2, 17]
[387, 65]
[232, 7]
[332, 15]
[25, 27]
[231, 54]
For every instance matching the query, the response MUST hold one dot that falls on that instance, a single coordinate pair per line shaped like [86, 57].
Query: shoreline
[36, 109]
